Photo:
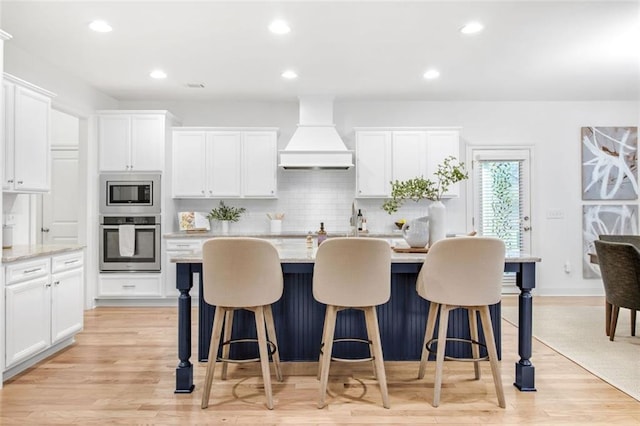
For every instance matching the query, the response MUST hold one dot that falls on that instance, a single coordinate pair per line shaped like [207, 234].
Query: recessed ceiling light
[279, 27]
[100, 27]
[431, 74]
[159, 74]
[472, 28]
[289, 75]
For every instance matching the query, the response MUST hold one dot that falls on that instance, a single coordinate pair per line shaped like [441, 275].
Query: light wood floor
[121, 371]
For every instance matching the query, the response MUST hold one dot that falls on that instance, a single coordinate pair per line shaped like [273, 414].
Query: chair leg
[264, 354]
[473, 331]
[371, 317]
[428, 335]
[213, 353]
[607, 317]
[633, 322]
[614, 321]
[325, 360]
[228, 328]
[370, 332]
[442, 343]
[487, 328]
[271, 335]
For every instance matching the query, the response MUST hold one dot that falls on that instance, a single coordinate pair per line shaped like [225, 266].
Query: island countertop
[29, 251]
[296, 251]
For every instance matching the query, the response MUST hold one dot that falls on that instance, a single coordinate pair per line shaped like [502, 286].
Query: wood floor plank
[121, 371]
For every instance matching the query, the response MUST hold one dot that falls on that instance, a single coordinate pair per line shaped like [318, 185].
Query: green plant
[224, 212]
[449, 172]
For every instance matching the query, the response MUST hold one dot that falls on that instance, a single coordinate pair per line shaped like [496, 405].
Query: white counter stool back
[242, 273]
[462, 272]
[352, 273]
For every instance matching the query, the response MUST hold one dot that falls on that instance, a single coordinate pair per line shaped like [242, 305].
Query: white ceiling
[536, 50]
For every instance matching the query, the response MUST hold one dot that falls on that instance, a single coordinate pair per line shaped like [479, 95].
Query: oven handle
[136, 226]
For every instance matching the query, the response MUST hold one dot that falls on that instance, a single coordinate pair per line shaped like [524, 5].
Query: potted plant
[449, 172]
[226, 214]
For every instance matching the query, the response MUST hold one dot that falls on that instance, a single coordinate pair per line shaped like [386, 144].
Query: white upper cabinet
[373, 168]
[131, 141]
[224, 163]
[259, 164]
[387, 154]
[224, 151]
[189, 170]
[27, 162]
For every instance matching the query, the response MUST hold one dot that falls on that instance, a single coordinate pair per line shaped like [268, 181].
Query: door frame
[502, 152]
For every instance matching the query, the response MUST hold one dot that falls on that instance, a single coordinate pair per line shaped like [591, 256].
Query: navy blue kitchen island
[299, 319]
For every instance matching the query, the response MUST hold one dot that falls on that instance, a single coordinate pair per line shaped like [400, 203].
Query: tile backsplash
[308, 197]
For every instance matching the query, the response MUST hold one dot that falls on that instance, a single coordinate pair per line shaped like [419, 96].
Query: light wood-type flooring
[121, 371]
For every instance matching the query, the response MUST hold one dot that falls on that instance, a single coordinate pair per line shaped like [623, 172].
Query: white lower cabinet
[44, 304]
[130, 285]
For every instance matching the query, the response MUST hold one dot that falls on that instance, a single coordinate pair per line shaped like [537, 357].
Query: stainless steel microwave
[130, 193]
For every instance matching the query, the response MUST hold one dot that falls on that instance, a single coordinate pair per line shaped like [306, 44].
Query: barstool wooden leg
[442, 343]
[473, 331]
[487, 328]
[271, 335]
[370, 332]
[371, 317]
[428, 335]
[325, 361]
[228, 328]
[213, 353]
[264, 354]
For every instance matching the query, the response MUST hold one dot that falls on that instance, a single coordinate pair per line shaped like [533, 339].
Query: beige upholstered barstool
[242, 273]
[352, 273]
[462, 272]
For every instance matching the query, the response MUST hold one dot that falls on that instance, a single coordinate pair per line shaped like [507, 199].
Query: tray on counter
[410, 249]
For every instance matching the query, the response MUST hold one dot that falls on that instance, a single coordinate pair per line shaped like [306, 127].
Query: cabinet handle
[183, 245]
[69, 262]
[10, 181]
[56, 282]
[47, 285]
[30, 271]
[128, 286]
[19, 182]
[202, 191]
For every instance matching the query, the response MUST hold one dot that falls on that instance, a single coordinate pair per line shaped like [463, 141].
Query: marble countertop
[296, 251]
[209, 234]
[24, 252]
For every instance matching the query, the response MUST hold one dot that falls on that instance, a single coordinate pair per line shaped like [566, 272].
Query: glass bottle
[322, 234]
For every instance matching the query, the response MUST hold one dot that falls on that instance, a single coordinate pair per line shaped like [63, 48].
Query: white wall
[551, 128]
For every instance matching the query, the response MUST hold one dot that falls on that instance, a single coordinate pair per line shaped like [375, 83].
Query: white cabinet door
[27, 319]
[147, 142]
[373, 165]
[67, 303]
[259, 164]
[409, 155]
[114, 140]
[31, 141]
[189, 164]
[8, 176]
[223, 167]
[440, 145]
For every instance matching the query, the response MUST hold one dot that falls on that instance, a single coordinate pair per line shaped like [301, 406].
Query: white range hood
[316, 143]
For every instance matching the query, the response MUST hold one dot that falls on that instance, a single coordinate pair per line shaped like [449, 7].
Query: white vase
[437, 221]
[224, 226]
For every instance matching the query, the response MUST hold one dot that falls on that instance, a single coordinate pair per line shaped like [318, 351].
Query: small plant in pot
[226, 214]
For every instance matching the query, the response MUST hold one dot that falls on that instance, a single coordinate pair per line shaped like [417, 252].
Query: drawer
[17, 272]
[134, 285]
[184, 245]
[63, 262]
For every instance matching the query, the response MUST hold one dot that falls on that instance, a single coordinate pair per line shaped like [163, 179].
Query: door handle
[44, 229]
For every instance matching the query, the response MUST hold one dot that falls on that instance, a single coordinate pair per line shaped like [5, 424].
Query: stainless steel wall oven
[145, 243]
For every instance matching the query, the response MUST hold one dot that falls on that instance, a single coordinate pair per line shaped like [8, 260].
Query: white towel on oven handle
[127, 240]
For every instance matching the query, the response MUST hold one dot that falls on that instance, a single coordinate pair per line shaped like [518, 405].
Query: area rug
[577, 332]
